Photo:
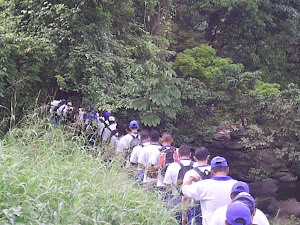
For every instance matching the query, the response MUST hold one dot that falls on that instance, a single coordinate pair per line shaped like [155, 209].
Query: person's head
[201, 154]
[219, 166]
[184, 151]
[154, 136]
[106, 115]
[247, 199]
[63, 101]
[92, 108]
[238, 213]
[134, 125]
[69, 104]
[122, 129]
[167, 138]
[144, 135]
[112, 119]
[239, 187]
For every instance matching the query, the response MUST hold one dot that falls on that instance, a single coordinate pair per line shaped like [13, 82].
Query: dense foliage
[169, 64]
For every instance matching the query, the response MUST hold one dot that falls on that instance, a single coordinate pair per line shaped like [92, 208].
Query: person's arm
[191, 179]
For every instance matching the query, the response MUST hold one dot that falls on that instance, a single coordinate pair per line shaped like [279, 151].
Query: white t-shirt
[137, 150]
[55, 103]
[81, 115]
[212, 193]
[60, 109]
[172, 174]
[107, 132]
[192, 173]
[66, 110]
[219, 217]
[144, 159]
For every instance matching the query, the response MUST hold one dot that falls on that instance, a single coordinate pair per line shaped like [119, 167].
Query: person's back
[145, 141]
[145, 156]
[176, 170]
[108, 129]
[61, 108]
[212, 193]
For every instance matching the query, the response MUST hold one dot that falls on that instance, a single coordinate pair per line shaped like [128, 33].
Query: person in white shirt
[203, 169]
[125, 140]
[212, 193]
[122, 130]
[53, 110]
[149, 180]
[108, 129]
[240, 192]
[172, 173]
[175, 174]
[59, 111]
[136, 151]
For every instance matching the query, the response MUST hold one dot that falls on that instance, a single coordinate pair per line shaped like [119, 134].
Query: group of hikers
[201, 193]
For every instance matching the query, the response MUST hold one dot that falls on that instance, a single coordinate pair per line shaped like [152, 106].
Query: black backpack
[168, 155]
[183, 171]
[204, 175]
[134, 142]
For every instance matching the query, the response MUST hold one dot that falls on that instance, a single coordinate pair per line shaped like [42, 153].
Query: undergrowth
[49, 177]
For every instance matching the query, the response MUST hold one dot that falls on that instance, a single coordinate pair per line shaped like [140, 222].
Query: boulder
[285, 207]
[263, 203]
[289, 178]
[263, 188]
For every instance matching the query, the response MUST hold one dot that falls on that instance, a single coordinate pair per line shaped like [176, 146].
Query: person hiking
[126, 140]
[212, 193]
[204, 171]
[60, 110]
[175, 174]
[109, 129]
[54, 105]
[91, 126]
[149, 180]
[136, 151]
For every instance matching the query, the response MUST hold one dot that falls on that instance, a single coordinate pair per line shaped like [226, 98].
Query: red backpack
[168, 155]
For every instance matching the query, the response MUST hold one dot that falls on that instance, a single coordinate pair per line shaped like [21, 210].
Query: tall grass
[49, 177]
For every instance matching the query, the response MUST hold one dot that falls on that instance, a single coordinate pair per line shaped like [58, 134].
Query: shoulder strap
[180, 164]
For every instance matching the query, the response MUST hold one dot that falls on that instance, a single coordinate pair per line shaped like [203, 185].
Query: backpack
[204, 175]
[134, 142]
[183, 171]
[168, 155]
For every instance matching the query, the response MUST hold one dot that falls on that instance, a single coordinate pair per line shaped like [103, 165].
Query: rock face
[286, 207]
[263, 188]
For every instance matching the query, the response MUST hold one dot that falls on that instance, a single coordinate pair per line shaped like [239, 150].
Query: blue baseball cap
[247, 199]
[218, 161]
[63, 101]
[92, 107]
[133, 124]
[238, 213]
[106, 115]
[240, 186]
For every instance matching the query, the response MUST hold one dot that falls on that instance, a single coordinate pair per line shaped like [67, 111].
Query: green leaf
[160, 98]
[139, 104]
[151, 119]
